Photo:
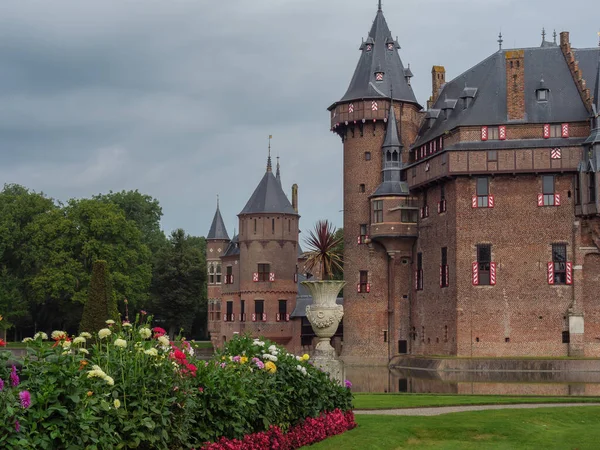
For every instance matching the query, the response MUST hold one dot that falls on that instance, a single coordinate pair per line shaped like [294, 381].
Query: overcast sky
[177, 98]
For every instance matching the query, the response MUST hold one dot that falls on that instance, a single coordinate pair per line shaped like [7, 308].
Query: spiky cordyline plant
[322, 253]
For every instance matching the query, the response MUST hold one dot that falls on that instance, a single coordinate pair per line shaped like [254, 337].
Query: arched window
[395, 156]
[211, 274]
[388, 156]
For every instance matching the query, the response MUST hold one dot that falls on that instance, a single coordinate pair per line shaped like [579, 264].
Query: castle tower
[217, 241]
[268, 245]
[374, 194]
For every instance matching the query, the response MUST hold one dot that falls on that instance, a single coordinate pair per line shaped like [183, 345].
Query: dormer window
[369, 47]
[379, 76]
[542, 95]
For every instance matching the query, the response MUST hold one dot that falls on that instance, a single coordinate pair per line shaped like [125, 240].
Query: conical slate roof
[392, 138]
[217, 229]
[380, 54]
[268, 197]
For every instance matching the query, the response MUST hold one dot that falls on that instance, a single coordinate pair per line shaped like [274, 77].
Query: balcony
[398, 229]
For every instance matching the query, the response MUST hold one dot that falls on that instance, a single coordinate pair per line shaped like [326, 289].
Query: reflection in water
[382, 379]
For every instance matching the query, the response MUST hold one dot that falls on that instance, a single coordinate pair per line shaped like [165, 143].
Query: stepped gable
[268, 197]
[217, 228]
[485, 84]
[380, 54]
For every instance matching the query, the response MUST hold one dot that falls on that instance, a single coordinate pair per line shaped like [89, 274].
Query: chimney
[295, 197]
[515, 84]
[438, 79]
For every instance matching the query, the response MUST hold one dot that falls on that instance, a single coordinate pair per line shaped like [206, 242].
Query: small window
[229, 275]
[409, 215]
[548, 189]
[282, 310]
[211, 274]
[367, 156]
[378, 211]
[492, 155]
[259, 308]
[559, 258]
[592, 187]
[577, 191]
[419, 272]
[263, 272]
[484, 259]
[555, 131]
[483, 191]
[363, 281]
[361, 188]
[218, 274]
[542, 95]
[566, 337]
[242, 310]
[493, 134]
[363, 233]
[229, 314]
[444, 268]
[254, 226]
[273, 226]
[442, 191]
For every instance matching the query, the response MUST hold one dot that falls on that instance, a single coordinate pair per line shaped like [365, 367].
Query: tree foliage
[323, 250]
[179, 282]
[101, 304]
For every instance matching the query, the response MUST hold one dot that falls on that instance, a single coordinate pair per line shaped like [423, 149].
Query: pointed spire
[379, 7]
[278, 173]
[554, 36]
[269, 167]
[217, 228]
[500, 41]
[543, 35]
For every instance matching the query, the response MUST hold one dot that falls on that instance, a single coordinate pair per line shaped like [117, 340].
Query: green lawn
[393, 401]
[552, 428]
[202, 344]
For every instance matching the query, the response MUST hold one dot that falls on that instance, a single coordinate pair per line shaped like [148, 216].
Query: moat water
[382, 379]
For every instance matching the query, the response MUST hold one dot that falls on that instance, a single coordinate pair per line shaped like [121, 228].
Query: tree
[323, 247]
[101, 304]
[179, 282]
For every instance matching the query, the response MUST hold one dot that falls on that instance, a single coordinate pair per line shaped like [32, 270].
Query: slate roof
[485, 83]
[379, 58]
[233, 248]
[268, 197]
[217, 228]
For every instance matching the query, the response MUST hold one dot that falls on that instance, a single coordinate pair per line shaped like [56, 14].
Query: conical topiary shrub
[101, 304]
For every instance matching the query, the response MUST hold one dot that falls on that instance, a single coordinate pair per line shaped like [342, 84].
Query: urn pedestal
[324, 316]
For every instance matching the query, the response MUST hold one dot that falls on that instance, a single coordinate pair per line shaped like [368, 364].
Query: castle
[471, 228]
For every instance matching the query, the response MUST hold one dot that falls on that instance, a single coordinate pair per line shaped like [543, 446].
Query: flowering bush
[130, 386]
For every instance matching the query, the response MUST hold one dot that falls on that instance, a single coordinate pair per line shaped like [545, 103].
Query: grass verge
[551, 428]
[395, 401]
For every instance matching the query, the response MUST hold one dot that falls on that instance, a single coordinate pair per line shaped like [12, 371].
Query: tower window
[483, 191]
[419, 272]
[484, 259]
[444, 268]
[361, 188]
[548, 189]
[273, 226]
[577, 191]
[218, 274]
[254, 226]
[367, 156]
[263, 272]
[542, 95]
[363, 281]
[378, 211]
[559, 258]
[592, 187]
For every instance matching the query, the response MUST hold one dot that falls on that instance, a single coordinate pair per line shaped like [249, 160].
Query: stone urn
[324, 314]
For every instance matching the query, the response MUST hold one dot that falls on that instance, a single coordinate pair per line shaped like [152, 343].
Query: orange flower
[82, 364]
[90, 393]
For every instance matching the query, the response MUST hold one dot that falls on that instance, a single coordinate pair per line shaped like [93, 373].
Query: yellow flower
[270, 367]
[109, 380]
[151, 352]
[117, 403]
[163, 341]
[121, 343]
[110, 322]
[243, 360]
[305, 357]
[145, 332]
[84, 351]
[104, 332]
[85, 335]
[79, 340]
[90, 393]
[56, 334]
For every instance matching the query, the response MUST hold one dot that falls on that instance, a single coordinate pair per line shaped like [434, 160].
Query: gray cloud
[176, 98]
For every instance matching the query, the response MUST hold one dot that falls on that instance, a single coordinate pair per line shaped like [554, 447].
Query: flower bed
[130, 386]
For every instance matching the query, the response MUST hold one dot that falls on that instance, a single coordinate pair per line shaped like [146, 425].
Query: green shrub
[100, 304]
[129, 387]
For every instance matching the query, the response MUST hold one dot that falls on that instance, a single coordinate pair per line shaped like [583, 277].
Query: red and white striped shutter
[439, 207]
[287, 317]
[224, 317]
[546, 131]
[255, 277]
[368, 287]
[540, 199]
[422, 212]
[278, 317]
[490, 201]
[295, 278]
[493, 273]
[358, 288]
[231, 279]
[240, 317]
[359, 241]
[416, 280]
[565, 130]
[441, 272]
[272, 277]
[556, 199]
[502, 132]
[550, 272]
[475, 273]
[264, 317]
[426, 210]
[474, 202]
[569, 273]
[253, 317]
[447, 276]
[484, 133]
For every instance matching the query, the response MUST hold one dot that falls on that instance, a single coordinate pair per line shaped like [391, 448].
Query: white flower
[56, 334]
[117, 403]
[104, 332]
[299, 367]
[85, 334]
[40, 334]
[110, 322]
[27, 339]
[66, 344]
[151, 352]
[273, 358]
[79, 340]
[145, 332]
[163, 341]
[272, 348]
[109, 380]
[127, 324]
[259, 343]
[84, 351]
[120, 343]
[298, 358]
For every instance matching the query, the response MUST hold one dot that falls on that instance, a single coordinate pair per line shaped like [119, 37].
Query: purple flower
[236, 359]
[1, 384]
[17, 426]
[348, 384]
[14, 378]
[25, 399]
[223, 365]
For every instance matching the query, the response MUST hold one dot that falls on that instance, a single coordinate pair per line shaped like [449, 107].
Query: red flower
[158, 332]
[2, 343]
[179, 355]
